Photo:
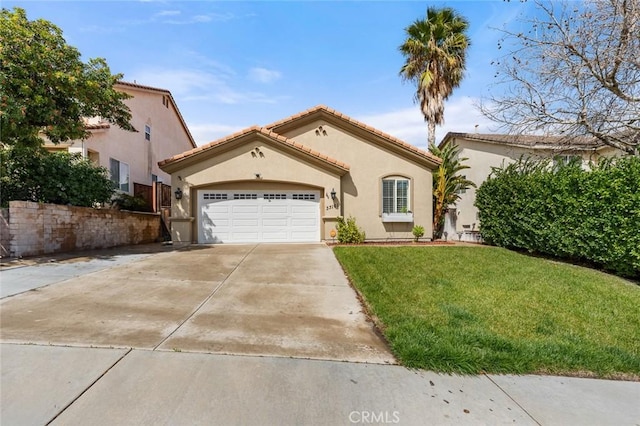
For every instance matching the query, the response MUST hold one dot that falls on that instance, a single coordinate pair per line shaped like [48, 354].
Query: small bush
[132, 203]
[348, 231]
[418, 232]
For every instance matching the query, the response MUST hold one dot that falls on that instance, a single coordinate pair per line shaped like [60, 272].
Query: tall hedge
[567, 212]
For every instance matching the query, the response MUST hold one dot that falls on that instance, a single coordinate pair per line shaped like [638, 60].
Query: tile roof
[258, 130]
[385, 136]
[530, 141]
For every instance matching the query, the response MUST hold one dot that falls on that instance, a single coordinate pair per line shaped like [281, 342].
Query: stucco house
[132, 157]
[290, 180]
[485, 151]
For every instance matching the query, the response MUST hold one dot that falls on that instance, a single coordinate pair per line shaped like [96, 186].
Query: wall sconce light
[258, 175]
[333, 194]
[178, 194]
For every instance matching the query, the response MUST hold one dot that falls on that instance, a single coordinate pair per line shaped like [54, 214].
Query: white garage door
[258, 216]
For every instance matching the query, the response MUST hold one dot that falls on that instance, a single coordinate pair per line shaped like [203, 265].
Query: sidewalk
[138, 387]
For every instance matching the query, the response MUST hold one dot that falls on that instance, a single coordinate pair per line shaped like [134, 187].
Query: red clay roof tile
[385, 136]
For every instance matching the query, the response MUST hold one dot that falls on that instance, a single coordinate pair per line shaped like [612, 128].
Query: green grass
[485, 309]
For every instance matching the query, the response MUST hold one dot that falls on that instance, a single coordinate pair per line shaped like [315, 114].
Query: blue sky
[233, 64]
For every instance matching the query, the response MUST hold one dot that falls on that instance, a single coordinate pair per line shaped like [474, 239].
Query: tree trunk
[432, 133]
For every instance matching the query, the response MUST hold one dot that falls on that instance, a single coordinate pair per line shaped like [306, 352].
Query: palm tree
[435, 53]
[447, 183]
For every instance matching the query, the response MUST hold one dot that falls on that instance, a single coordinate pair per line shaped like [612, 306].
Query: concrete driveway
[289, 304]
[288, 300]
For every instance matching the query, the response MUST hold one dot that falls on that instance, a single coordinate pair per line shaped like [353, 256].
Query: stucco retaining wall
[36, 228]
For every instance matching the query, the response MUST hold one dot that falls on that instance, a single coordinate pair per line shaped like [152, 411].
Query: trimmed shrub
[567, 212]
[349, 232]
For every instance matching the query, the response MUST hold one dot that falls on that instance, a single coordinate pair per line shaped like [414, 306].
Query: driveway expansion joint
[112, 366]
[215, 290]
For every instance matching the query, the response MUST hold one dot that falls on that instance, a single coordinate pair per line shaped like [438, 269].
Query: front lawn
[486, 309]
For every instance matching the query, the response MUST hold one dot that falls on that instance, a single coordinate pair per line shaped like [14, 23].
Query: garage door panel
[243, 208]
[302, 235]
[275, 209]
[273, 237]
[281, 222]
[216, 208]
[254, 216]
[238, 236]
[304, 222]
[253, 222]
[308, 209]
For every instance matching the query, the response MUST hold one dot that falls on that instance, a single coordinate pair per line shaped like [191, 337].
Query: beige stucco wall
[481, 158]
[361, 189]
[237, 169]
[168, 138]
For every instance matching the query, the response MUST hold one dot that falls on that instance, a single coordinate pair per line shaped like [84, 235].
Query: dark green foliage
[349, 232]
[567, 212]
[33, 174]
[132, 203]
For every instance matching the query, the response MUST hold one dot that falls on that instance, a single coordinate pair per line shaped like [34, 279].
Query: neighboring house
[132, 157]
[290, 180]
[485, 151]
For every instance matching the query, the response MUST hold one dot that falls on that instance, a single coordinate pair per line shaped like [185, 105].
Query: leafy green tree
[33, 174]
[435, 54]
[46, 89]
[447, 183]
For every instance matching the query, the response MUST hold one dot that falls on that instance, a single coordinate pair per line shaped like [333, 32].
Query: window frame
[398, 206]
[147, 132]
[123, 170]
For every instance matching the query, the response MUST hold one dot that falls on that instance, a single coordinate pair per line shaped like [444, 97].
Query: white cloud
[193, 85]
[181, 82]
[205, 133]
[408, 123]
[167, 13]
[175, 17]
[263, 75]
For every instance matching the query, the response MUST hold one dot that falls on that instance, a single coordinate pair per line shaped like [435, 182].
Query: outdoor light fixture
[333, 194]
[258, 175]
[178, 194]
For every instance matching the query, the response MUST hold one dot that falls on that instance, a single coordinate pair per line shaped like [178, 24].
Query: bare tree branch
[573, 70]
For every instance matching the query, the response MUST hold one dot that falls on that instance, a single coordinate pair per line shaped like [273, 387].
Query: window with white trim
[395, 195]
[119, 174]
[147, 132]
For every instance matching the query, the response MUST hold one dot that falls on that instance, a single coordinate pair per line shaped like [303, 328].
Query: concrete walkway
[62, 385]
[247, 335]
